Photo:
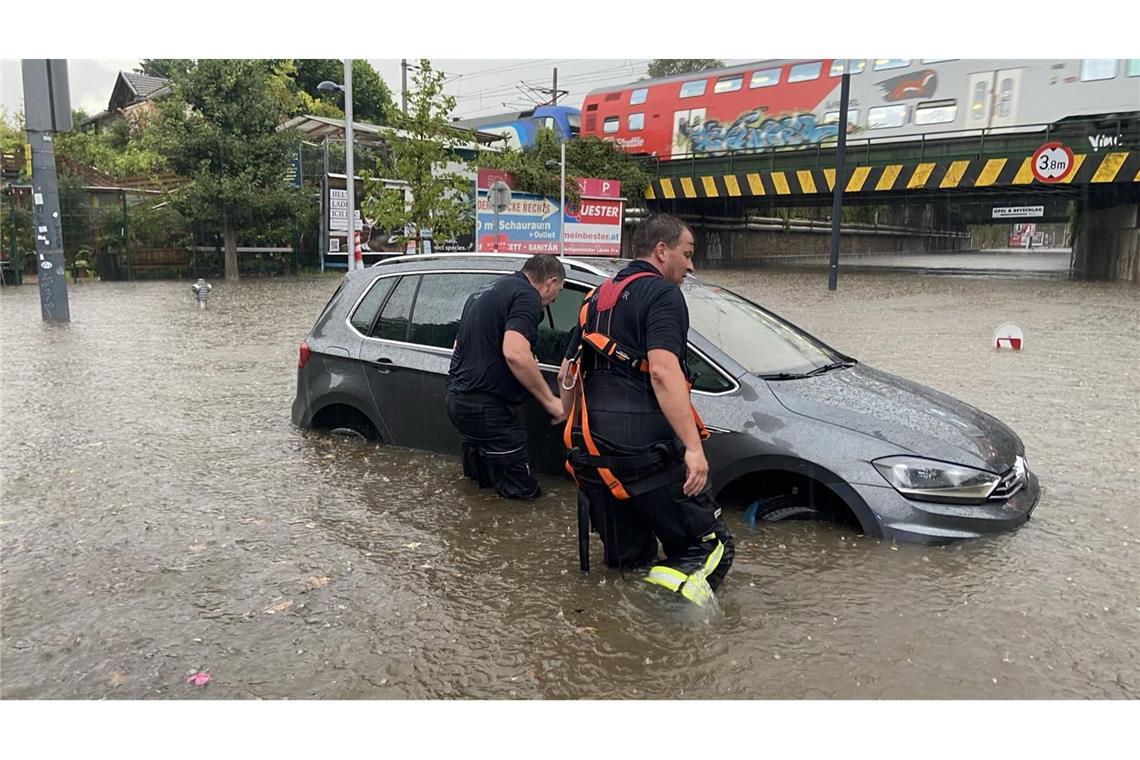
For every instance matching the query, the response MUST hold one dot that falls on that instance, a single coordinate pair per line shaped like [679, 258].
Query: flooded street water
[161, 515]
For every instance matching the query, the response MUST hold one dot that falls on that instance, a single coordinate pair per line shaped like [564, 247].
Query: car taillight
[303, 357]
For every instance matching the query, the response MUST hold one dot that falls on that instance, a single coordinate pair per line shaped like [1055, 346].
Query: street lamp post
[349, 169]
[561, 197]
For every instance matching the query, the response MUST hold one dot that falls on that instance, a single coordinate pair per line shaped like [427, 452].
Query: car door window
[705, 377]
[369, 306]
[393, 322]
[557, 321]
[435, 318]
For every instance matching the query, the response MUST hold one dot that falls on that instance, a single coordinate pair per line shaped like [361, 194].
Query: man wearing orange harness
[633, 437]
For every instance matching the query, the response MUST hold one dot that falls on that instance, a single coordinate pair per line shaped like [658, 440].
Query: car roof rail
[573, 263]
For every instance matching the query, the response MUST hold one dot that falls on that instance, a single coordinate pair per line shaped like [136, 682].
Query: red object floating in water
[200, 678]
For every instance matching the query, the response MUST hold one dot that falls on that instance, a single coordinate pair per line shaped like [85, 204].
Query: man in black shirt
[635, 439]
[493, 369]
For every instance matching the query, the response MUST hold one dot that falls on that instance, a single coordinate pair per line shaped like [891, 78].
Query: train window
[729, 84]
[636, 121]
[803, 72]
[832, 117]
[837, 68]
[765, 78]
[611, 125]
[885, 117]
[693, 89]
[573, 122]
[883, 64]
[938, 60]
[1094, 69]
[1005, 97]
[978, 101]
[936, 112]
[637, 97]
[1132, 67]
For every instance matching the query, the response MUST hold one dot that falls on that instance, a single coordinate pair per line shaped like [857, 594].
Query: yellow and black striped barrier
[931, 175]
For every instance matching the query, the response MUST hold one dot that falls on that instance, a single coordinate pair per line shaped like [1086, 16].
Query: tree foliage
[219, 130]
[167, 68]
[371, 97]
[423, 156]
[668, 67]
[587, 157]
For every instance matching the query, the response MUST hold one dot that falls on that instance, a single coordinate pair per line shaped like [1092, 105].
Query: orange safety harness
[576, 434]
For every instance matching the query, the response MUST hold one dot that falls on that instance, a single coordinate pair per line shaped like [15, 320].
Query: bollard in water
[201, 292]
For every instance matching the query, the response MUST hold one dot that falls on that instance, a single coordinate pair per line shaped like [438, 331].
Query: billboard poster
[531, 223]
[375, 243]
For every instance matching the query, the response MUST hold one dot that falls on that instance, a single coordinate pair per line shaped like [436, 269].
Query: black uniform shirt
[650, 313]
[507, 303]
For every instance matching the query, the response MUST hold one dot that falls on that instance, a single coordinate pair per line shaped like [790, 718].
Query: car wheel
[348, 432]
[780, 508]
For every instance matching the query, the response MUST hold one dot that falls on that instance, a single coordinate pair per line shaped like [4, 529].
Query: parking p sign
[1052, 162]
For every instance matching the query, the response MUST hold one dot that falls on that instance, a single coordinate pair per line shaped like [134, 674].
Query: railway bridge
[958, 178]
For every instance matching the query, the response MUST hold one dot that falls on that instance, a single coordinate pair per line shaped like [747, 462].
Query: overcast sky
[481, 87]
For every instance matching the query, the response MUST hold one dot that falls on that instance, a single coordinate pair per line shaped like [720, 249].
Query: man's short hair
[542, 266]
[657, 228]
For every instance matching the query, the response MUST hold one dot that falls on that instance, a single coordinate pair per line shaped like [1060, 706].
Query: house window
[1096, 69]
[765, 78]
[611, 125]
[885, 64]
[885, 117]
[693, 89]
[729, 84]
[832, 117]
[637, 97]
[803, 72]
[837, 67]
[636, 121]
[936, 112]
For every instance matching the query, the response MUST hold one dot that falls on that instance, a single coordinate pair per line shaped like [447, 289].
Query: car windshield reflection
[756, 339]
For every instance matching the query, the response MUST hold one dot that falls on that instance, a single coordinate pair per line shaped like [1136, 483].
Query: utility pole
[349, 169]
[840, 175]
[554, 88]
[47, 109]
[404, 85]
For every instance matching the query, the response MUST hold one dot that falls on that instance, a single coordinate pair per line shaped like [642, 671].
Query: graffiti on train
[752, 131]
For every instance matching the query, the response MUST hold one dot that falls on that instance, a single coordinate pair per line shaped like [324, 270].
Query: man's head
[666, 242]
[546, 274]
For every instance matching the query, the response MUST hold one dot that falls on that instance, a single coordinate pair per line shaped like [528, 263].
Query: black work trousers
[688, 528]
[494, 444]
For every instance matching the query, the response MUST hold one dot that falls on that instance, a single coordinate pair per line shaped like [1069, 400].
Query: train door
[684, 124]
[992, 98]
[978, 100]
[1007, 89]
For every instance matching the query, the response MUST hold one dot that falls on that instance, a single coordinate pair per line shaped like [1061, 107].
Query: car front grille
[1012, 481]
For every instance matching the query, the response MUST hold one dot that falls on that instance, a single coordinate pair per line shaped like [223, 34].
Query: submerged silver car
[799, 430]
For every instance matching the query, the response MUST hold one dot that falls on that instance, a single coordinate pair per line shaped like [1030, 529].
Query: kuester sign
[530, 223]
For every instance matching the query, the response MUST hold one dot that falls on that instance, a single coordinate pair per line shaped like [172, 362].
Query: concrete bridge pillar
[1106, 238]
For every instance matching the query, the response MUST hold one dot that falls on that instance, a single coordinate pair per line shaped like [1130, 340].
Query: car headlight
[929, 480]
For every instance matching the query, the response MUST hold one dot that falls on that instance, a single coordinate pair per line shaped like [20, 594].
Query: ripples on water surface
[161, 515]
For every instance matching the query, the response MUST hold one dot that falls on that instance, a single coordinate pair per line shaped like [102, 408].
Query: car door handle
[383, 365]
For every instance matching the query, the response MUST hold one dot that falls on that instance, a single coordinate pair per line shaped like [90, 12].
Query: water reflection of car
[800, 430]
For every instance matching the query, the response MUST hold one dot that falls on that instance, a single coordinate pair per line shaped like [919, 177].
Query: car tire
[348, 432]
[781, 508]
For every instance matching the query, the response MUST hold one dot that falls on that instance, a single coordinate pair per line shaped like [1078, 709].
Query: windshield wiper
[783, 376]
[829, 367]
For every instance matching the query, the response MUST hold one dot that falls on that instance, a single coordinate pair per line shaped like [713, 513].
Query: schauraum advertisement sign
[531, 223]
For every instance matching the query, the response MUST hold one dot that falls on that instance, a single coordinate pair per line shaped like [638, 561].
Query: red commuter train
[764, 105]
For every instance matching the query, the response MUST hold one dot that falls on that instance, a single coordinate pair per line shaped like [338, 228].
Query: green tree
[668, 67]
[423, 156]
[167, 68]
[219, 130]
[587, 157]
[371, 98]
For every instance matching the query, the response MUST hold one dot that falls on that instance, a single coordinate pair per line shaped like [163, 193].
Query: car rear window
[369, 306]
[393, 322]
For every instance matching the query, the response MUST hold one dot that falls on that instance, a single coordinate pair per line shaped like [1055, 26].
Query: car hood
[912, 416]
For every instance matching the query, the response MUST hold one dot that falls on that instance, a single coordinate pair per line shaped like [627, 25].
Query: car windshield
[758, 340]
